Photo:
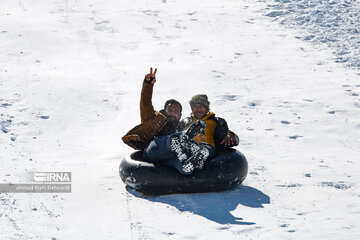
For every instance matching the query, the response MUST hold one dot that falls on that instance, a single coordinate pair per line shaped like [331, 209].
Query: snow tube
[224, 172]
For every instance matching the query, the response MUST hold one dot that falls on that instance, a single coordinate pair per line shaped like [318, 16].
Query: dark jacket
[153, 123]
[221, 130]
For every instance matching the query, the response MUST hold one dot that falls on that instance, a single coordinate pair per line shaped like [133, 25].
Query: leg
[199, 155]
[158, 150]
[163, 150]
[173, 151]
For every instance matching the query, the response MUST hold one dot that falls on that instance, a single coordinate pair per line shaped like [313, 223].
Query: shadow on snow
[214, 206]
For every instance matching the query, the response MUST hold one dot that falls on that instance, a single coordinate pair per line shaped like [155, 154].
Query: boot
[199, 157]
[176, 145]
[188, 167]
[196, 161]
[199, 154]
[195, 129]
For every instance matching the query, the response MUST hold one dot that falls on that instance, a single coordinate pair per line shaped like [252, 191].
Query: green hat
[201, 99]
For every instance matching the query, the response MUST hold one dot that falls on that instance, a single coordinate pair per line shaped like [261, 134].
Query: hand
[150, 77]
[229, 140]
[132, 137]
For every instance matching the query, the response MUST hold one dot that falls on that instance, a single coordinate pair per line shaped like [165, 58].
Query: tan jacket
[209, 131]
[215, 131]
[152, 121]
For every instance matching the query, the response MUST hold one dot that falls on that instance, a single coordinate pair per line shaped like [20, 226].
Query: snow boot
[196, 161]
[188, 167]
[177, 145]
[199, 154]
[195, 129]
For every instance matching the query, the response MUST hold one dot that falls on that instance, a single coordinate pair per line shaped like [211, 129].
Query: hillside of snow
[284, 74]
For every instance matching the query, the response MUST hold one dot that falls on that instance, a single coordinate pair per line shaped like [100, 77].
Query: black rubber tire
[224, 172]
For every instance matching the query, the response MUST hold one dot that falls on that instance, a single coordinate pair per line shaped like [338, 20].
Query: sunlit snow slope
[70, 79]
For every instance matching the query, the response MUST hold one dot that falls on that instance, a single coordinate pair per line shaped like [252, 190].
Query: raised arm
[146, 107]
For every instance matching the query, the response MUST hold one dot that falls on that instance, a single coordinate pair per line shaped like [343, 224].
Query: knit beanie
[201, 99]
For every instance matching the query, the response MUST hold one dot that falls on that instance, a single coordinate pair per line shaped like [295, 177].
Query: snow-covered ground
[330, 24]
[70, 78]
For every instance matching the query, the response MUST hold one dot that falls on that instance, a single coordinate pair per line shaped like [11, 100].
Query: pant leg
[158, 150]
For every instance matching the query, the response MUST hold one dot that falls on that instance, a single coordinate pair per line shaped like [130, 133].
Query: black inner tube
[224, 172]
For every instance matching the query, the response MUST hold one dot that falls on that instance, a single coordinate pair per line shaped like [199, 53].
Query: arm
[228, 138]
[146, 107]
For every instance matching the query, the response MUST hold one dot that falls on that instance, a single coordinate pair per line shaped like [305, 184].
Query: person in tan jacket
[153, 123]
[214, 139]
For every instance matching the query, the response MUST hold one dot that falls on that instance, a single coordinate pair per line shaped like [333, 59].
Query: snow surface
[335, 24]
[70, 79]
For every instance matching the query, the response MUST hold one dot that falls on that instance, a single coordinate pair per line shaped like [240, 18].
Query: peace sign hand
[150, 77]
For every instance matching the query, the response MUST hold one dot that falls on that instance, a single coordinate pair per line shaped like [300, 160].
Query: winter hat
[201, 99]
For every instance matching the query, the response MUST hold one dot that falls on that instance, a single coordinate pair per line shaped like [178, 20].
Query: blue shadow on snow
[215, 206]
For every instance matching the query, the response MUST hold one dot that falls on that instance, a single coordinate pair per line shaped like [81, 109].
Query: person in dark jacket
[153, 123]
[215, 137]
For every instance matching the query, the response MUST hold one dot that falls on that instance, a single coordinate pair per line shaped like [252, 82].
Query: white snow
[70, 79]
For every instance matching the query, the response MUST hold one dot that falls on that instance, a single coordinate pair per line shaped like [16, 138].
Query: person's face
[199, 111]
[173, 112]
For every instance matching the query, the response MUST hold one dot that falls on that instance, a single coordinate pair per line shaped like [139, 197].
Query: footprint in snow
[194, 51]
[285, 225]
[215, 71]
[154, 13]
[338, 185]
[191, 13]
[253, 104]
[293, 185]
[4, 105]
[295, 137]
[230, 97]
[218, 74]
